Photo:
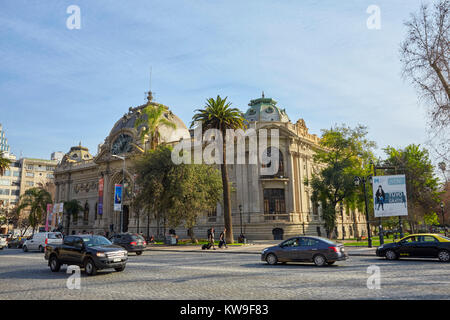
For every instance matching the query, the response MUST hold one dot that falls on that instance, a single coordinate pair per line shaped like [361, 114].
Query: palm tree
[72, 208]
[219, 115]
[4, 164]
[152, 117]
[35, 200]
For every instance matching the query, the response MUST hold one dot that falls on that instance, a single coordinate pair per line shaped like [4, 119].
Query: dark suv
[132, 242]
[87, 251]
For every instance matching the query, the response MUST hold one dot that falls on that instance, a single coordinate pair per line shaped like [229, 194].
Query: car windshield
[444, 237]
[96, 241]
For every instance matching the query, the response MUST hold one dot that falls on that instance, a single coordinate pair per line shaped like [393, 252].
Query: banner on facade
[49, 216]
[117, 197]
[389, 196]
[100, 196]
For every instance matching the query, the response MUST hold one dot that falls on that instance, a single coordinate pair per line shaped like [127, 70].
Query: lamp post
[123, 191]
[443, 217]
[240, 214]
[358, 181]
[341, 206]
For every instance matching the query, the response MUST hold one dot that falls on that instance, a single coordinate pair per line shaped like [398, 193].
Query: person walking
[222, 241]
[211, 238]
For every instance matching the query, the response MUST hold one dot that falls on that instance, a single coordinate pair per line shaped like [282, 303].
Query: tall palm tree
[35, 200]
[218, 114]
[72, 208]
[152, 117]
[4, 164]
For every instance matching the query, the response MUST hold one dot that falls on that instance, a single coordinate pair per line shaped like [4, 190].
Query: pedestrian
[211, 238]
[222, 240]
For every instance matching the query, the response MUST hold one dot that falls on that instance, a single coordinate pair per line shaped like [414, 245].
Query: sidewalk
[256, 247]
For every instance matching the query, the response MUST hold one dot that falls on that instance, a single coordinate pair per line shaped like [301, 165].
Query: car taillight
[46, 241]
[145, 243]
[133, 243]
[333, 248]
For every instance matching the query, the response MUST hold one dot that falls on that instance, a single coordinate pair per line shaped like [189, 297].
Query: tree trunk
[226, 199]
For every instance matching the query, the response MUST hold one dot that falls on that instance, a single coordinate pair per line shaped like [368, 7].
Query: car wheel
[138, 253]
[119, 269]
[54, 264]
[444, 256]
[90, 268]
[330, 262]
[391, 255]
[271, 259]
[319, 260]
[25, 249]
[41, 249]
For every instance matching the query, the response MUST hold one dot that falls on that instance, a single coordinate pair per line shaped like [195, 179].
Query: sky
[317, 59]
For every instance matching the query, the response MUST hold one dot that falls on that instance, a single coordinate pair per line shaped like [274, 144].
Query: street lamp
[123, 191]
[342, 215]
[240, 214]
[443, 217]
[357, 182]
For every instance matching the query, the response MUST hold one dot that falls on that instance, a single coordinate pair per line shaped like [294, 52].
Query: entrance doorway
[277, 234]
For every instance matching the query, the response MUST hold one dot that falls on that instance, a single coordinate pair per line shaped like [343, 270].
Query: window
[29, 183]
[274, 201]
[50, 175]
[291, 243]
[4, 192]
[69, 240]
[7, 173]
[30, 167]
[427, 239]
[308, 242]
[16, 173]
[50, 168]
[409, 240]
[268, 154]
[30, 174]
[5, 182]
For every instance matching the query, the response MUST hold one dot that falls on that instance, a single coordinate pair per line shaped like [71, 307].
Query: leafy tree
[422, 186]
[425, 55]
[151, 118]
[218, 114]
[4, 164]
[72, 209]
[35, 200]
[343, 154]
[175, 193]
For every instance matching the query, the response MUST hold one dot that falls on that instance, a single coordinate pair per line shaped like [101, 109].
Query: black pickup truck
[86, 251]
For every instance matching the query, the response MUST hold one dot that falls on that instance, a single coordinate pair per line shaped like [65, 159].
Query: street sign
[389, 196]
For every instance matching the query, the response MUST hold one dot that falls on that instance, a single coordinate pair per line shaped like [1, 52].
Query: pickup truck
[86, 251]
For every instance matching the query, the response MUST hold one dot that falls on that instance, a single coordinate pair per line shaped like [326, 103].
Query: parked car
[423, 245]
[41, 239]
[3, 242]
[16, 243]
[90, 252]
[132, 242]
[319, 250]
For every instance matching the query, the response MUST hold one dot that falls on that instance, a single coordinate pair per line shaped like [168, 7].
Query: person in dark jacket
[380, 197]
[222, 241]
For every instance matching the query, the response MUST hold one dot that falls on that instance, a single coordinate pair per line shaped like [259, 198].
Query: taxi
[422, 245]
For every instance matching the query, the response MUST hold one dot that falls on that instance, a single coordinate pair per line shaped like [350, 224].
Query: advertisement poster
[389, 196]
[117, 197]
[100, 196]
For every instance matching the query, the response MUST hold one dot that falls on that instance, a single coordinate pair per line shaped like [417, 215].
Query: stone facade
[276, 206]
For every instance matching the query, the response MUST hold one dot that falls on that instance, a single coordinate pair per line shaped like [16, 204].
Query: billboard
[389, 196]
[117, 197]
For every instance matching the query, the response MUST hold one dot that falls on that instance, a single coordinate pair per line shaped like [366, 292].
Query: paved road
[201, 275]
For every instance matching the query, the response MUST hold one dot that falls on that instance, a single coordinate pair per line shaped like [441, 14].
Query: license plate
[117, 260]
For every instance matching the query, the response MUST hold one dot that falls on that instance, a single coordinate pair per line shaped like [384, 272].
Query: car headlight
[101, 254]
[381, 247]
[264, 250]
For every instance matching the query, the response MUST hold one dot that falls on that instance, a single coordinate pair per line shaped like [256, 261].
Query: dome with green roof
[265, 109]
